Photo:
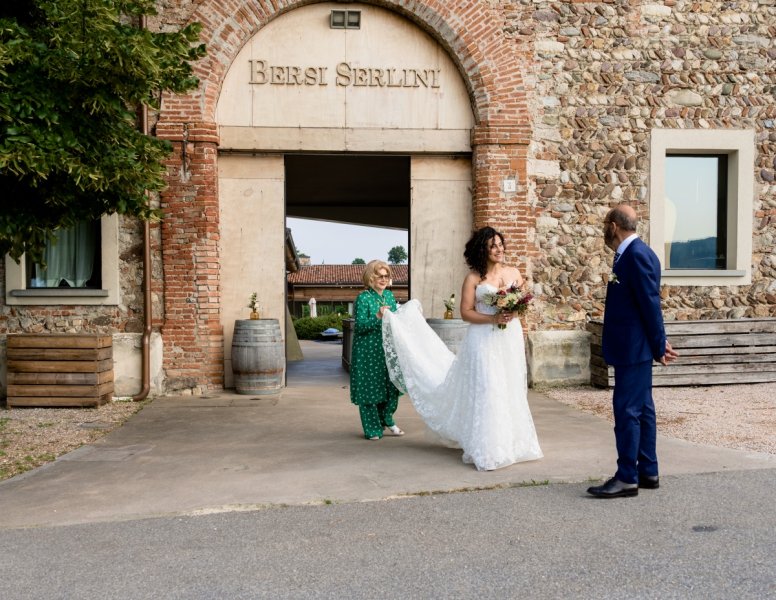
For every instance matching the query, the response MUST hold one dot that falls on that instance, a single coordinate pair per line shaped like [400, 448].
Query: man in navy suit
[633, 337]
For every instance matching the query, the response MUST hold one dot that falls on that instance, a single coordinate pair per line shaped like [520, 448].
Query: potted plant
[254, 306]
[449, 306]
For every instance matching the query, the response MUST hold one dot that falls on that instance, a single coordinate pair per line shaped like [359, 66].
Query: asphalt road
[700, 536]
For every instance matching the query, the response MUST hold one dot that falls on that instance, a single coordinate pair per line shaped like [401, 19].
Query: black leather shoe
[649, 482]
[614, 488]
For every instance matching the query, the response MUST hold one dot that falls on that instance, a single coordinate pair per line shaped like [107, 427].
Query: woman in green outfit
[370, 388]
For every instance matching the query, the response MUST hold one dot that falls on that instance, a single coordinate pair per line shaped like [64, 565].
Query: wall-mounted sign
[344, 75]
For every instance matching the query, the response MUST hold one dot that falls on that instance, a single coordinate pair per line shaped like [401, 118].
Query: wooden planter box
[718, 352]
[59, 370]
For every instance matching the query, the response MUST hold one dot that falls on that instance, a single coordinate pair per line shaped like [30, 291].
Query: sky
[339, 243]
[691, 194]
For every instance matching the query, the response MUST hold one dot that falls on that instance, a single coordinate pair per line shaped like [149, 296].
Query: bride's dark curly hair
[476, 251]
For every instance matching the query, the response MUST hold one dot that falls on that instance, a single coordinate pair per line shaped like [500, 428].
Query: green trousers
[374, 417]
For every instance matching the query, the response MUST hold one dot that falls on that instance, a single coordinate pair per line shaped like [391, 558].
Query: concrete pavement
[696, 538]
[227, 452]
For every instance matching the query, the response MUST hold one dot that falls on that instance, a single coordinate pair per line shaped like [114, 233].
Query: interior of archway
[357, 189]
[369, 191]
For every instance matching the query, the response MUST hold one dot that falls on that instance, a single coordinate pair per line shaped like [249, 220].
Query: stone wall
[605, 74]
[127, 316]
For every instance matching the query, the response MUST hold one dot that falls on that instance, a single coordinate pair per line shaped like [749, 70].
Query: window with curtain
[72, 259]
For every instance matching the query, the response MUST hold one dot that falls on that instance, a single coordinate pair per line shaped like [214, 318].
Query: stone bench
[717, 352]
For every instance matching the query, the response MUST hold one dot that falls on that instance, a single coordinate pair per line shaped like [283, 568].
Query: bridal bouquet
[510, 299]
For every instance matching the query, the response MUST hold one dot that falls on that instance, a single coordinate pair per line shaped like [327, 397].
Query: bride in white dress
[478, 399]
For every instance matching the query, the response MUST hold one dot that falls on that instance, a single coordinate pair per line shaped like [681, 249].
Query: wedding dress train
[477, 399]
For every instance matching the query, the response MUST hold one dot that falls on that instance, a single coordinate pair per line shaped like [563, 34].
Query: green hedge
[310, 329]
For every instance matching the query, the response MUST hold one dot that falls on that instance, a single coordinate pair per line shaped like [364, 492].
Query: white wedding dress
[477, 399]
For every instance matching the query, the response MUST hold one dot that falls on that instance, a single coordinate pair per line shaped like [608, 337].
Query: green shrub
[308, 328]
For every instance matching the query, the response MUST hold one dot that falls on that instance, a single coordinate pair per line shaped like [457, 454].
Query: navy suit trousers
[635, 427]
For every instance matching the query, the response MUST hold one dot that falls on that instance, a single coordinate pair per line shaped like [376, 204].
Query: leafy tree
[299, 253]
[72, 75]
[358, 261]
[397, 255]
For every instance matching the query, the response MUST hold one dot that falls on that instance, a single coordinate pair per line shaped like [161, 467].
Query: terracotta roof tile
[341, 275]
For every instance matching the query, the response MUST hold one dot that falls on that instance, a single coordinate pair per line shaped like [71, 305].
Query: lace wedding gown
[476, 399]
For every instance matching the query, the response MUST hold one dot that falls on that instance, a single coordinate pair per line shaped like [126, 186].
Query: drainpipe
[147, 308]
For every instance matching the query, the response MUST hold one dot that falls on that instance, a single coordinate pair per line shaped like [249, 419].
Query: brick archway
[489, 64]
[474, 40]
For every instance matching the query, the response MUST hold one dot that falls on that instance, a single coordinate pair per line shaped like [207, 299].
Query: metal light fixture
[353, 19]
[345, 19]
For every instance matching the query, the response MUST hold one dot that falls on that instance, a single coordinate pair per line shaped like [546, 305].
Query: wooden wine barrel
[258, 356]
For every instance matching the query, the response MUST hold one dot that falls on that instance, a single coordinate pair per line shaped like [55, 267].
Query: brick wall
[491, 69]
[192, 331]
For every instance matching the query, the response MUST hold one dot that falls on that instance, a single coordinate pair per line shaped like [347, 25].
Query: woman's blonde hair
[370, 273]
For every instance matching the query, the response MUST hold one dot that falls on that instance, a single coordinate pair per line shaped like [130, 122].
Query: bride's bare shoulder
[472, 278]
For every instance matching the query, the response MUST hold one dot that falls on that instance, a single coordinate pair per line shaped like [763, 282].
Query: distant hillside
[694, 254]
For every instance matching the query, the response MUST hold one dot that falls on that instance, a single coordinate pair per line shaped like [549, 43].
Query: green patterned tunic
[369, 382]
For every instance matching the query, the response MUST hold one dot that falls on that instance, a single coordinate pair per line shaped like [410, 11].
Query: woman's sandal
[375, 437]
[394, 430]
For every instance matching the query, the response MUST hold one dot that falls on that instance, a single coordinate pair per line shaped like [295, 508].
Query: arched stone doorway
[456, 161]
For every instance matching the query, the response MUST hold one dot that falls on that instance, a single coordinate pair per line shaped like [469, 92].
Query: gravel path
[742, 417]
[30, 437]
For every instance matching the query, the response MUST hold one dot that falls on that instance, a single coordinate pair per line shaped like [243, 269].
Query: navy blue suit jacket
[633, 322]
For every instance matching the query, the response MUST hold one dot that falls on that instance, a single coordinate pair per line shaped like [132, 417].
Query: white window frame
[18, 294]
[738, 145]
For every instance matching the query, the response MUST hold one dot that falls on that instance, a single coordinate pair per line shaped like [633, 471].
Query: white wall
[128, 364]
[302, 38]
[441, 217]
[264, 120]
[252, 212]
